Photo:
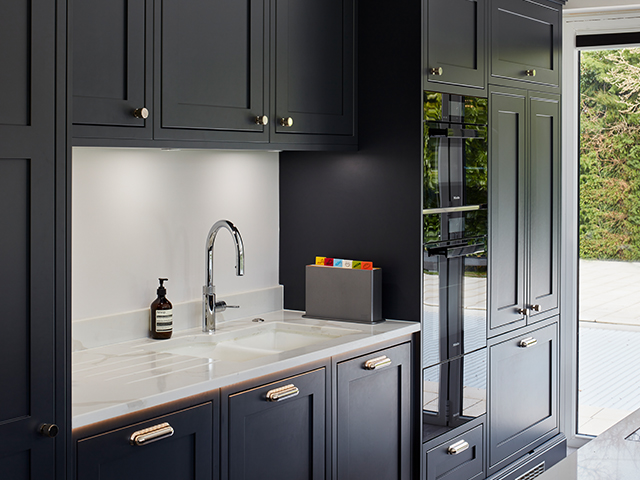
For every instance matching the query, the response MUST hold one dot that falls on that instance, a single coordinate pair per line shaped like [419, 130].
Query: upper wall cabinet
[111, 68]
[243, 72]
[525, 42]
[312, 68]
[455, 40]
[210, 70]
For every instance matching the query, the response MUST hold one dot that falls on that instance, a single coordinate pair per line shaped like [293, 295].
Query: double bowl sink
[252, 342]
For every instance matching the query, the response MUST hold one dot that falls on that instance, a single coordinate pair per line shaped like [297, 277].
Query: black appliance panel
[454, 393]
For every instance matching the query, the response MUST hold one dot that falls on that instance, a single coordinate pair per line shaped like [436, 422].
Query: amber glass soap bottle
[161, 314]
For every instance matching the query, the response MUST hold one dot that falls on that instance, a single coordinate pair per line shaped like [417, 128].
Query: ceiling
[599, 3]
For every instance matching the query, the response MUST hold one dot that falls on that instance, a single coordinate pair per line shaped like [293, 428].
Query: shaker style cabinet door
[374, 416]
[455, 36]
[526, 41]
[277, 430]
[544, 205]
[313, 65]
[507, 225]
[171, 447]
[111, 62]
[210, 70]
[28, 397]
[523, 394]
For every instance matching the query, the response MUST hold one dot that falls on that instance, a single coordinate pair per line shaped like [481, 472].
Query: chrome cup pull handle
[282, 393]
[527, 342]
[378, 362]
[151, 434]
[457, 447]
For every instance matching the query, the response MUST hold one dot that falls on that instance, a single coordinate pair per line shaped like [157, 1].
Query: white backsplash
[122, 327]
[141, 214]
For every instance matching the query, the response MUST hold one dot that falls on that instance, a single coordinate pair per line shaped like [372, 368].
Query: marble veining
[610, 456]
[113, 380]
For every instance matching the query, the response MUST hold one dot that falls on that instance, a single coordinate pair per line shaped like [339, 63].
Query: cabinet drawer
[185, 454]
[457, 459]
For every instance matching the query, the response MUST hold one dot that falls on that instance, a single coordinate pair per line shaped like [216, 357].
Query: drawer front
[158, 454]
[457, 459]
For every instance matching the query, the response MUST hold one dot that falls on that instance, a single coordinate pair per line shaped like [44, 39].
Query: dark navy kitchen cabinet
[111, 57]
[525, 162]
[526, 42]
[276, 430]
[373, 418]
[245, 73]
[210, 71]
[33, 425]
[454, 45]
[523, 393]
[312, 64]
[174, 446]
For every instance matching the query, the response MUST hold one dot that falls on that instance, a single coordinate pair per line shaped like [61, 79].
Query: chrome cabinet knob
[48, 430]
[141, 113]
[530, 73]
[536, 308]
[436, 71]
[262, 120]
[286, 122]
[523, 311]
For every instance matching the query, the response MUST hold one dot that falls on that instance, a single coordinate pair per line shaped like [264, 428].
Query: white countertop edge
[398, 329]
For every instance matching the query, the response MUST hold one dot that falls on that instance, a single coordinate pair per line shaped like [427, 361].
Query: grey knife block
[334, 293]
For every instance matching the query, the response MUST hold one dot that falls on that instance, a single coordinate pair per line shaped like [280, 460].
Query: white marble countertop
[117, 379]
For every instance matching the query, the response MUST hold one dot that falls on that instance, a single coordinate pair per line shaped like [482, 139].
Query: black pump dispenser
[161, 314]
[161, 290]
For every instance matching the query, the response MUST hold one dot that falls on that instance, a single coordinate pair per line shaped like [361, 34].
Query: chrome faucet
[209, 304]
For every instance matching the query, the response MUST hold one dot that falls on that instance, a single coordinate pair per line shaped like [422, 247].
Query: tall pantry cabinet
[33, 416]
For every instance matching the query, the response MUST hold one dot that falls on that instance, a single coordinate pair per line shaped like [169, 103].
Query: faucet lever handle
[221, 306]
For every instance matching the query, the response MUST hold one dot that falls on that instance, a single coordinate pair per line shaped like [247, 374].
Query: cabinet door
[210, 69]
[526, 41]
[523, 393]
[184, 455]
[544, 204]
[313, 65]
[275, 433]
[507, 226]
[110, 71]
[374, 415]
[455, 48]
[28, 241]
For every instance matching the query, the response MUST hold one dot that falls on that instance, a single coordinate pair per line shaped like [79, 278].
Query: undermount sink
[252, 342]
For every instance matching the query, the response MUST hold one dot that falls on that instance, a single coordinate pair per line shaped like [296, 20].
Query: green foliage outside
[610, 154]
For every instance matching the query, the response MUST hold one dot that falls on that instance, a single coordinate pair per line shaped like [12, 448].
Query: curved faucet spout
[209, 297]
[237, 239]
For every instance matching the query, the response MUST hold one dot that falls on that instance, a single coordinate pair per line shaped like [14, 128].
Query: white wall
[142, 214]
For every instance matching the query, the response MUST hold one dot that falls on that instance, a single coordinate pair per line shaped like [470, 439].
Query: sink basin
[252, 342]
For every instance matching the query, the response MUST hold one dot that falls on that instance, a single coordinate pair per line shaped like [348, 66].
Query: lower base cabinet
[461, 458]
[523, 393]
[345, 418]
[373, 438]
[170, 447]
[277, 430]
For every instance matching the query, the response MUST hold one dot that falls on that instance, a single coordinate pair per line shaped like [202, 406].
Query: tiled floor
[609, 343]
